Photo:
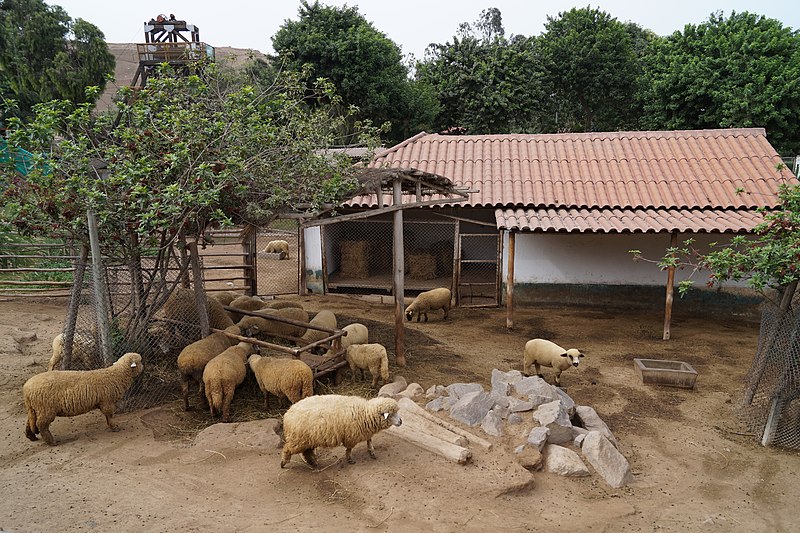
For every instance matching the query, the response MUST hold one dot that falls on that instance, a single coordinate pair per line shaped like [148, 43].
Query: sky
[412, 24]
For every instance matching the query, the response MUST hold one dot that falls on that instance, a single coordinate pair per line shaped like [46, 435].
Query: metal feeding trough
[663, 372]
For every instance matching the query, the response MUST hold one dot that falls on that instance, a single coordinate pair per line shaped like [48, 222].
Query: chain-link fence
[770, 406]
[277, 269]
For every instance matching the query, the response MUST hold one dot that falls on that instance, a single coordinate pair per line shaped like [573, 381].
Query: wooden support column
[673, 243]
[199, 293]
[510, 280]
[399, 280]
[302, 284]
[100, 294]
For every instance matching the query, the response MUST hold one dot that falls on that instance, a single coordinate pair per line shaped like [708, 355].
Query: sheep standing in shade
[223, 374]
[332, 420]
[370, 357]
[541, 352]
[278, 247]
[282, 377]
[75, 392]
[245, 303]
[427, 301]
[181, 308]
[324, 319]
[193, 359]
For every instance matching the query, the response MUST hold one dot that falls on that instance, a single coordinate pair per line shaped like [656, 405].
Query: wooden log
[428, 442]
[430, 427]
[411, 405]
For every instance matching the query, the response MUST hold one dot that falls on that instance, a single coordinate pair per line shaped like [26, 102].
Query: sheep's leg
[185, 392]
[286, 456]
[30, 427]
[348, 454]
[538, 370]
[375, 374]
[44, 430]
[227, 398]
[371, 449]
[266, 400]
[310, 458]
[558, 378]
[108, 410]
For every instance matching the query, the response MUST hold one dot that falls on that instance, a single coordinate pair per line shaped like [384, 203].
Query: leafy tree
[740, 71]
[364, 65]
[184, 153]
[591, 65]
[483, 81]
[45, 55]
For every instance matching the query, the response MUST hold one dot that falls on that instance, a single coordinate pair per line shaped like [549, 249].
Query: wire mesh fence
[277, 258]
[770, 406]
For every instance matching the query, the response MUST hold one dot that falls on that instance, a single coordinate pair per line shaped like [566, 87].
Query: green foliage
[184, 153]
[45, 55]
[740, 71]
[364, 65]
[483, 81]
[592, 63]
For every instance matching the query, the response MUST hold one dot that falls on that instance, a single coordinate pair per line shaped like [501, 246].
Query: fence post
[99, 290]
[399, 281]
[72, 312]
[510, 280]
[199, 294]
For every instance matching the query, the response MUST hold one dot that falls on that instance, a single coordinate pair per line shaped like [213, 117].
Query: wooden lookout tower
[172, 41]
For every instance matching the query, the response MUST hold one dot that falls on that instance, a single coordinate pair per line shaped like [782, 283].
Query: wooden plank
[399, 277]
[510, 280]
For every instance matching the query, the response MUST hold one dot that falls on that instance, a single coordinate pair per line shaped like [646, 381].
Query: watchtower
[166, 42]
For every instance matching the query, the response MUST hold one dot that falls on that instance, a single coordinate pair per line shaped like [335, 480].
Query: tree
[184, 153]
[483, 81]
[364, 65]
[44, 55]
[591, 65]
[740, 71]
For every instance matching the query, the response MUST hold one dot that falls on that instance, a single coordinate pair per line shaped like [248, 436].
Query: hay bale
[421, 265]
[355, 259]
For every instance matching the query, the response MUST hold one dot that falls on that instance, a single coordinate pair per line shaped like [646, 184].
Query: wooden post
[72, 312]
[399, 280]
[100, 294]
[673, 242]
[302, 282]
[199, 294]
[250, 264]
[510, 281]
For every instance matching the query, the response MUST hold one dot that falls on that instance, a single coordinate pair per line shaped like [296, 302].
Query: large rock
[435, 391]
[606, 460]
[563, 461]
[537, 390]
[590, 420]
[529, 457]
[515, 405]
[472, 407]
[395, 387]
[440, 403]
[492, 424]
[457, 390]
[554, 416]
[566, 400]
[538, 437]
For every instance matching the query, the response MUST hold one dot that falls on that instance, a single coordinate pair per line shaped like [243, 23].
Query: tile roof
[616, 181]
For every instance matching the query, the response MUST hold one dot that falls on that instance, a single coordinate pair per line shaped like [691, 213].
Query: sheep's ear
[564, 354]
[580, 355]
[386, 416]
[133, 364]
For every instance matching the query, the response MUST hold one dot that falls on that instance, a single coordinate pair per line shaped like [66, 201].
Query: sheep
[331, 420]
[429, 301]
[84, 352]
[75, 392]
[256, 326]
[246, 303]
[370, 357]
[282, 377]
[356, 334]
[324, 319]
[193, 359]
[278, 247]
[281, 304]
[181, 307]
[225, 297]
[546, 353]
[223, 374]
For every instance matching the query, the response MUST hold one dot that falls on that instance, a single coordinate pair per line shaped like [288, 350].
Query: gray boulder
[554, 417]
[538, 437]
[457, 390]
[564, 462]
[589, 419]
[537, 390]
[492, 424]
[471, 408]
[606, 460]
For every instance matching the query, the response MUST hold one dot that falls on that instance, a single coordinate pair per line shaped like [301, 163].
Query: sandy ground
[696, 468]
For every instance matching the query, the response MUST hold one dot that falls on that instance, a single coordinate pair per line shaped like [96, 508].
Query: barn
[554, 216]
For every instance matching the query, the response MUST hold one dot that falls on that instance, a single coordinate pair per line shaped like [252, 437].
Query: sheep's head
[132, 361]
[409, 313]
[387, 407]
[573, 355]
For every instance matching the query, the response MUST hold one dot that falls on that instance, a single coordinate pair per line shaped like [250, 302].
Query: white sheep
[256, 326]
[225, 297]
[356, 334]
[330, 420]
[282, 377]
[370, 357]
[245, 303]
[193, 359]
[541, 352]
[84, 352]
[278, 247]
[281, 304]
[429, 301]
[324, 319]
[223, 374]
[75, 392]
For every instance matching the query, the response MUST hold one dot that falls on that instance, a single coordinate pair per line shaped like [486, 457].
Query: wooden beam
[399, 278]
[375, 212]
[673, 243]
[510, 280]
[199, 293]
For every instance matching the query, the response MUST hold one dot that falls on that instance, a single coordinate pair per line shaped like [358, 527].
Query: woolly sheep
[331, 420]
[246, 303]
[370, 357]
[255, 326]
[282, 377]
[84, 352]
[356, 334]
[225, 297]
[429, 301]
[223, 374]
[281, 304]
[323, 319]
[75, 392]
[546, 353]
[278, 247]
[180, 306]
[193, 360]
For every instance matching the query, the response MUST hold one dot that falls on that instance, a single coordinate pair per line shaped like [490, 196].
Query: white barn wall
[313, 258]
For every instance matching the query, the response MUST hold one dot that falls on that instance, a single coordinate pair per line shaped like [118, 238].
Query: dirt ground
[696, 468]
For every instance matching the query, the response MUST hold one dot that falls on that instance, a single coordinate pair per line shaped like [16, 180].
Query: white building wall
[313, 248]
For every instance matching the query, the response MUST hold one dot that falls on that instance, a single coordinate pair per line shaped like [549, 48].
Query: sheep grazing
[427, 301]
[370, 357]
[245, 303]
[541, 352]
[356, 334]
[193, 359]
[278, 247]
[282, 377]
[181, 307]
[225, 297]
[75, 392]
[324, 319]
[223, 374]
[256, 326]
[332, 420]
[84, 352]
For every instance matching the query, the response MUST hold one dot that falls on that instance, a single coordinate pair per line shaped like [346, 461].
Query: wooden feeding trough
[664, 372]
